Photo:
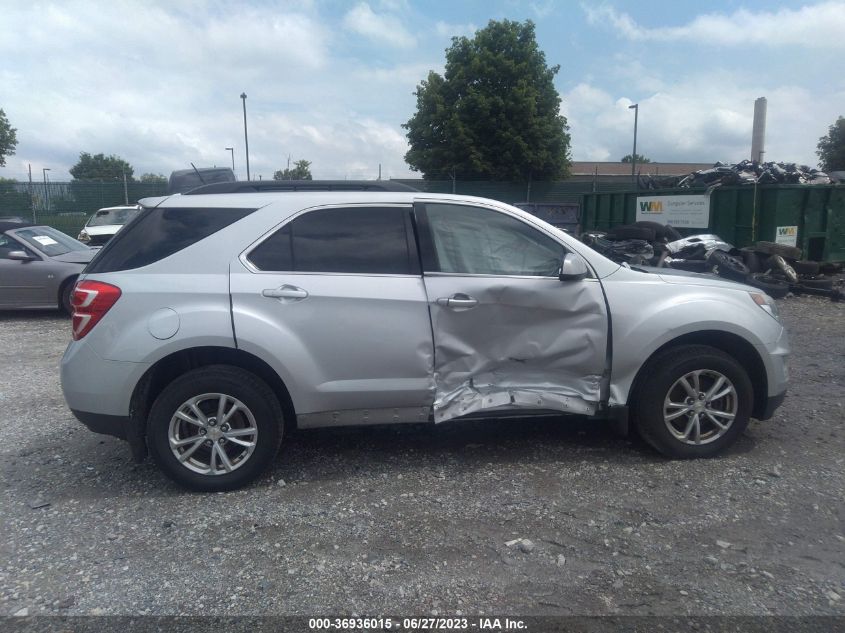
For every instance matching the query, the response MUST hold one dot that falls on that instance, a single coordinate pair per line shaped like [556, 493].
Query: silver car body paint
[35, 284]
[529, 343]
[361, 348]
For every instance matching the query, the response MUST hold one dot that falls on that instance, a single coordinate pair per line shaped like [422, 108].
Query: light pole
[636, 109]
[246, 137]
[44, 171]
[232, 151]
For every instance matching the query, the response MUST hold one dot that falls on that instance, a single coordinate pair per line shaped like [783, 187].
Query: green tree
[640, 159]
[831, 148]
[101, 168]
[8, 138]
[301, 171]
[494, 114]
[149, 177]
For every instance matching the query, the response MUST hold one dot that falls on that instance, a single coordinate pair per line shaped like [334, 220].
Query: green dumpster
[811, 217]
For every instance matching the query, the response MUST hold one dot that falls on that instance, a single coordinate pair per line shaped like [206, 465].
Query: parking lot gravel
[556, 516]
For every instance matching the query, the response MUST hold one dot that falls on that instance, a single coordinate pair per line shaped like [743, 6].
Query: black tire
[728, 266]
[770, 248]
[829, 268]
[661, 231]
[64, 296]
[819, 283]
[661, 375]
[778, 262]
[258, 399]
[630, 232]
[806, 268]
[752, 260]
[772, 286]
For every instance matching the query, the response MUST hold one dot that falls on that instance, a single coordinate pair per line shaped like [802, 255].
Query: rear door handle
[285, 292]
[458, 301]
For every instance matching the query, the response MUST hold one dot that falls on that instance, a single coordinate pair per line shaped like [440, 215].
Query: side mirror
[20, 256]
[573, 268]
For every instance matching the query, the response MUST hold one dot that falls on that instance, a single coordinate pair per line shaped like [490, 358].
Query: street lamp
[44, 171]
[232, 150]
[636, 109]
[246, 137]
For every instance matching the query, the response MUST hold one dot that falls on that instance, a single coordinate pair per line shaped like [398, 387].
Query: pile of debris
[776, 269]
[745, 173]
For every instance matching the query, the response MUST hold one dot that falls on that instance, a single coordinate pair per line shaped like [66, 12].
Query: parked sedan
[38, 266]
[103, 225]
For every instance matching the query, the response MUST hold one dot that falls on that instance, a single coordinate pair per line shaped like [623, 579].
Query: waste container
[811, 217]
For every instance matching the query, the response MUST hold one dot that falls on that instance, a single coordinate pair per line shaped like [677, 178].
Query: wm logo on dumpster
[654, 206]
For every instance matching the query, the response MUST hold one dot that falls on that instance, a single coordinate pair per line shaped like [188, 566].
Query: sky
[332, 82]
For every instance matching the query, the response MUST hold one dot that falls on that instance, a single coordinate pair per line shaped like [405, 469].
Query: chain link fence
[67, 205]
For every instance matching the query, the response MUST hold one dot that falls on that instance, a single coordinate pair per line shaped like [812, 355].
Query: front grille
[99, 240]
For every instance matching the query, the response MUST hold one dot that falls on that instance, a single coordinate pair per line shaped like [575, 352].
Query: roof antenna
[202, 180]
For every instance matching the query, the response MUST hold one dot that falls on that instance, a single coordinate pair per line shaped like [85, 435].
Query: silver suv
[213, 322]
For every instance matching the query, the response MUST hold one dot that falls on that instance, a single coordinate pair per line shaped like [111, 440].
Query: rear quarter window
[158, 233]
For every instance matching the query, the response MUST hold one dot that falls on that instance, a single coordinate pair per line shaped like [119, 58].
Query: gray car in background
[215, 321]
[38, 266]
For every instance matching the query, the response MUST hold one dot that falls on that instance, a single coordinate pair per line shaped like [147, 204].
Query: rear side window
[362, 240]
[157, 233]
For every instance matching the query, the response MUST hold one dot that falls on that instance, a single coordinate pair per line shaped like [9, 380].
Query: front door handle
[458, 301]
[285, 292]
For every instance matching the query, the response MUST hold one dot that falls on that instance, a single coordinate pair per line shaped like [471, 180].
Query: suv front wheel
[695, 401]
[215, 428]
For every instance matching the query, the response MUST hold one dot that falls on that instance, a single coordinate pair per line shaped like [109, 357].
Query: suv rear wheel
[215, 428]
[695, 402]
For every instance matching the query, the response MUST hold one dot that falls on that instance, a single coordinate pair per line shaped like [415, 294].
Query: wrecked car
[217, 321]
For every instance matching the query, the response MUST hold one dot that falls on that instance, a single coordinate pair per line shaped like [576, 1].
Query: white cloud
[702, 118]
[162, 90]
[379, 27]
[444, 29]
[813, 26]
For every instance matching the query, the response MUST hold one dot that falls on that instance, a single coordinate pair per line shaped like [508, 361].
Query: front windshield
[49, 241]
[112, 216]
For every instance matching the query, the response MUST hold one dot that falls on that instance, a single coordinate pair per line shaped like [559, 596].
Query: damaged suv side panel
[508, 333]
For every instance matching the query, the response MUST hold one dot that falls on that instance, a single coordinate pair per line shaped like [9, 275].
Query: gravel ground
[427, 520]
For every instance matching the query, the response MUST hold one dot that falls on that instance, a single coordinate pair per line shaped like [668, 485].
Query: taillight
[91, 300]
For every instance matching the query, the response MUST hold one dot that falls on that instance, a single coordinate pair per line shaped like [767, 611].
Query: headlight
[83, 236]
[767, 303]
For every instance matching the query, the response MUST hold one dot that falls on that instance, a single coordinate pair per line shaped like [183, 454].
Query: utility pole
[125, 190]
[636, 109]
[44, 171]
[31, 191]
[379, 171]
[246, 136]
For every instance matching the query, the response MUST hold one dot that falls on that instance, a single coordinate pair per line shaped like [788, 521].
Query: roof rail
[251, 186]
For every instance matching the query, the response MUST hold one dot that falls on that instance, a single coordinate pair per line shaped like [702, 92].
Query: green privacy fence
[66, 205]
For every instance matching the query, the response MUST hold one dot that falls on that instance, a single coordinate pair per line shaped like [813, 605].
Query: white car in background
[103, 225]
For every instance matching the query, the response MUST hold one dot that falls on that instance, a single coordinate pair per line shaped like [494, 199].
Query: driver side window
[7, 245]
[478, 241]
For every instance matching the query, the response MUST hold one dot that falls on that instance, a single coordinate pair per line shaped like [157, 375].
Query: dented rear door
[508, 334]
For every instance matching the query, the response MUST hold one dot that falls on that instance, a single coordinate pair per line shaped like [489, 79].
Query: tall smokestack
[758, 134]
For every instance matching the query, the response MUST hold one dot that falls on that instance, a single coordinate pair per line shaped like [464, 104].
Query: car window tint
[363, 240]
[275, 253]
[478, 241]
[160, 232]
